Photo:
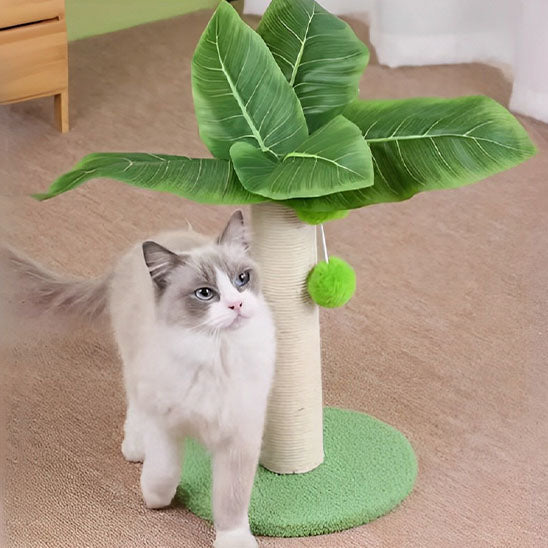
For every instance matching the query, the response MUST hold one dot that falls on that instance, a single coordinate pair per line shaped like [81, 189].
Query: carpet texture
[369, 468]
[445, 337]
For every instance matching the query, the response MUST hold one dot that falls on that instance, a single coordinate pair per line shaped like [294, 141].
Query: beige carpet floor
[446, 337]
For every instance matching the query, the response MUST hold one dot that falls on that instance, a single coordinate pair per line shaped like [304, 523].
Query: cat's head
[211, 287]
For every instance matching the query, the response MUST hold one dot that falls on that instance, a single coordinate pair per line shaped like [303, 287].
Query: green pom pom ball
[332, 284]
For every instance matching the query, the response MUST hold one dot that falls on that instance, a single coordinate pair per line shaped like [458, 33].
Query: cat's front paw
[237, 538]
[158, 490]
[132, 450]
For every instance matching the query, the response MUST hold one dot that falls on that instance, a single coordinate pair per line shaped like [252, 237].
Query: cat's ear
[235, 231]
[160, 262]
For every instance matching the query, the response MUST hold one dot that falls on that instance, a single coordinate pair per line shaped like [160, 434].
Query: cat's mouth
[238, 321]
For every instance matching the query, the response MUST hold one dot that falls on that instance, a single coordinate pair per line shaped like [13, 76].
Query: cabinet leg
[60, 105]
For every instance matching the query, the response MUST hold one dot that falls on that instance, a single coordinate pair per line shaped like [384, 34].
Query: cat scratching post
[369, 467]
[285, 248]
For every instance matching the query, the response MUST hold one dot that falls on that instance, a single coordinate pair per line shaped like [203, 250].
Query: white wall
[422, 32]
[338, 7]
[530, 91]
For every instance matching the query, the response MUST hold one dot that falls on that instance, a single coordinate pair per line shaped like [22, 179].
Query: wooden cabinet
[33, 53]
[20, 12]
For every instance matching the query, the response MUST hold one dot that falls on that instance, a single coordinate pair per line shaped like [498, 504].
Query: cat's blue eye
[242, 278]
[204, 293]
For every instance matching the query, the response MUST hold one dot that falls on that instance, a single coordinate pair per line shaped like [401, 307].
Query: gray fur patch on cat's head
[235, 232]
[176, 277]
[161, 262]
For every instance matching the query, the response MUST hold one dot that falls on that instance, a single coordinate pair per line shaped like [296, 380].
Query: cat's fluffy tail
[32, 291]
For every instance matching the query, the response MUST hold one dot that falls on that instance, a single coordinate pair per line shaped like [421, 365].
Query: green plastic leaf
[240, 93]
[204, 180]
[252, 165]
[427, 144]
[319, 54]
[333, 159]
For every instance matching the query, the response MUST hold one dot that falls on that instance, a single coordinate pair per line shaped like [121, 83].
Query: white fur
[239, 538]
[209, 384]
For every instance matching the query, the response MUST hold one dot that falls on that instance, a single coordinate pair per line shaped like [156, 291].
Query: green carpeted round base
[369, 469]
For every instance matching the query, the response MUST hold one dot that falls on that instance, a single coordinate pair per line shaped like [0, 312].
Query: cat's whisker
[207, 324]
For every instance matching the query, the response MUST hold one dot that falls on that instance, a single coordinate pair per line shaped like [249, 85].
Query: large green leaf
[252, 165]
[239, 92]
[204, 180]
[333, 159]
[427, 144]
[318, 53]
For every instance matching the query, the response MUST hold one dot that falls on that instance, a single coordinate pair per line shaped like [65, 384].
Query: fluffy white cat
[197, 343]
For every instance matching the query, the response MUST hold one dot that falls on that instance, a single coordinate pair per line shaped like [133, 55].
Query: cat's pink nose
[236, 305]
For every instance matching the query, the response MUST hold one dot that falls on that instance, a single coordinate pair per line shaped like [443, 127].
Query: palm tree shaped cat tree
[278, 110]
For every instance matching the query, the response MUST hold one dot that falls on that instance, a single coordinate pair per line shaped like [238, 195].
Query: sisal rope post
[285, 248]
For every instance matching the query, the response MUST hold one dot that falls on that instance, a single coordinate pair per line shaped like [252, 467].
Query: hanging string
[324, 244]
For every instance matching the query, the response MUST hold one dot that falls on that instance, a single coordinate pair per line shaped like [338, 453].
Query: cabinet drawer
[33, 60]
[20, 12]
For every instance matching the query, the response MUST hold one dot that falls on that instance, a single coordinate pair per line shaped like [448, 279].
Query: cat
[197, 342]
